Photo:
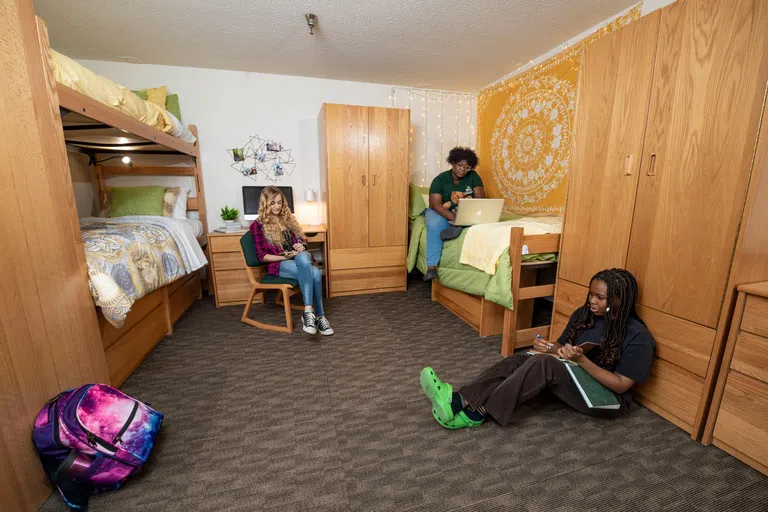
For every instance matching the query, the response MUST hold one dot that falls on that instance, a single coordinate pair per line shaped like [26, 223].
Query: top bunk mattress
[74, 75]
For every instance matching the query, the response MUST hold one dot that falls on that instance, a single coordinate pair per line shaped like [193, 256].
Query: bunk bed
[501, 303]
[100, 130]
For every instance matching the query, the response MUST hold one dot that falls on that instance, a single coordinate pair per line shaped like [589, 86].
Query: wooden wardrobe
[662, 184]
[364, 159]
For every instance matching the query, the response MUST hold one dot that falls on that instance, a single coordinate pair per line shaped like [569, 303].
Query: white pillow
[180, 208]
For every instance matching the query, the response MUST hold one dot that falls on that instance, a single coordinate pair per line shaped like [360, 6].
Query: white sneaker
[309, 323]
[324, 326]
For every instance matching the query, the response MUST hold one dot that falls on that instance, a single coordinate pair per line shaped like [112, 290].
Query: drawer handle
[652, 167]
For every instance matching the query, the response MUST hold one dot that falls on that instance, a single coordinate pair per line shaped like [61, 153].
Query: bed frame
[489, 318]
[93, 128]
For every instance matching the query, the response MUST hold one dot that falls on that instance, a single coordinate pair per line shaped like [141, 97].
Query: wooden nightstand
[230, 282]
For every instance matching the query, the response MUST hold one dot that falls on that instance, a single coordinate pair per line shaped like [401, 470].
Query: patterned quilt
[129, 258]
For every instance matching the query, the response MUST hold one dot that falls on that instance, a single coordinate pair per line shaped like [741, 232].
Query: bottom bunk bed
[150, 320]
[144, 273]
[501, 303]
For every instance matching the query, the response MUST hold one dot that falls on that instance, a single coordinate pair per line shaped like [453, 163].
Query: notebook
[595, 395]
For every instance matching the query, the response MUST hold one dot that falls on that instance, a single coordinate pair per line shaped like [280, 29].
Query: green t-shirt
[443, 184]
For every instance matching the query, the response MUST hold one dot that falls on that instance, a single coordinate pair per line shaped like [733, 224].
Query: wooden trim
[725, 367]
[540, 244]
[510, 317]
[121, 170]
[366, 292]
[746, 459]
[657, 409]
[167, 308]
[93, 109]
[525, 337]
[533, 292]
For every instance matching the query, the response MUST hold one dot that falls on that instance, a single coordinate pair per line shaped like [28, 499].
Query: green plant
[228, 213]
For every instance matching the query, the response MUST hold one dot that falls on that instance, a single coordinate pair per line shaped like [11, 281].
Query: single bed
[487, 301]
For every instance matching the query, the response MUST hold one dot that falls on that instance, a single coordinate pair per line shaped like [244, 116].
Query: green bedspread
[496, 288]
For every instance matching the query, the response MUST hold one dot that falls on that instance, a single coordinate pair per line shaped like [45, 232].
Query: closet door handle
[374, 180]
[652, 167]
[363, 179]
[628, 166]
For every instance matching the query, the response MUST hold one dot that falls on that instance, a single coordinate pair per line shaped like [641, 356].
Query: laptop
[478, 211]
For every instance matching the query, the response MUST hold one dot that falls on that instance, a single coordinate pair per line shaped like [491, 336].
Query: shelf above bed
[98, 128]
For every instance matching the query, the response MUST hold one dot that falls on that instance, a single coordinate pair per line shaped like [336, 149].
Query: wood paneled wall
[49, 336]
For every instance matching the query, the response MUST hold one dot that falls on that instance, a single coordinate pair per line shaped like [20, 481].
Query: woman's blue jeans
[435, 224]
[309, 277]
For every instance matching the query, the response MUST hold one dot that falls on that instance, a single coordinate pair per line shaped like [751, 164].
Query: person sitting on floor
[444, 194]
[622, 358]
[281, 245]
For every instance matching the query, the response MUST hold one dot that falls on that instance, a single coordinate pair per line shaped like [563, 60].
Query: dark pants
[518, 378]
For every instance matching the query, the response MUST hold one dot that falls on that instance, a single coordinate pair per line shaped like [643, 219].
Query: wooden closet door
[708, 87]
[614, 85]
[347, 160]
[388, 170]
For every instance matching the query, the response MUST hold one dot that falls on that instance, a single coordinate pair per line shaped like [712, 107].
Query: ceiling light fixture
[311, 21]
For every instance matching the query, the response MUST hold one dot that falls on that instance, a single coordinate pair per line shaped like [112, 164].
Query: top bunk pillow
[137, 201]
[172, 105]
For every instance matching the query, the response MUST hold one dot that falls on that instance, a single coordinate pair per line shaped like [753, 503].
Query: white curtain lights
[440, 120]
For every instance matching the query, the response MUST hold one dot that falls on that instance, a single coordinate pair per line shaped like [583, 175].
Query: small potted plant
[229, 216]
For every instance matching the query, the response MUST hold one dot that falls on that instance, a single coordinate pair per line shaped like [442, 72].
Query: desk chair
[261, 282]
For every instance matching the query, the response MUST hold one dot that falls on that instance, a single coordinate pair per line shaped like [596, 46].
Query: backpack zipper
[118, 437]
[56, 434]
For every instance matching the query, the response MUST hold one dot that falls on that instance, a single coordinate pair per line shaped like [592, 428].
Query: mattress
[194, 227]
[74, 75]
[130, 257]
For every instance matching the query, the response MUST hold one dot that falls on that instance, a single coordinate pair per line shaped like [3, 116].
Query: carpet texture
[261, 421]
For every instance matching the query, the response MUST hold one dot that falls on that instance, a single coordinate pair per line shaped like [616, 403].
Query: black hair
[622, 295]
[459, 153]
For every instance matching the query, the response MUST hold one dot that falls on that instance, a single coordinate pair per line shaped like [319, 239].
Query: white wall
[230, 106]
[652, 5]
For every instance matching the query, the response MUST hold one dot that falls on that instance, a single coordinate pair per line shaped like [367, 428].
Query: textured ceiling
[440, 44]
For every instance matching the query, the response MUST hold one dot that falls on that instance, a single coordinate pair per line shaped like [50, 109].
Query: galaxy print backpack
[91, 438]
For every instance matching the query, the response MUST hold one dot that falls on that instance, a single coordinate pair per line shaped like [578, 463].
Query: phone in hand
[587, 345]
[289, 254]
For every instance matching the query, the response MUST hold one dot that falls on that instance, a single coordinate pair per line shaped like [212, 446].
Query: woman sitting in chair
[280, 244]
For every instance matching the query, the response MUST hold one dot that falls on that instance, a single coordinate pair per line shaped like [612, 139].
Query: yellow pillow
[157, 95]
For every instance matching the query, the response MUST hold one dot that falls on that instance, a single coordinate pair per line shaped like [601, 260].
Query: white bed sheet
[195, 226]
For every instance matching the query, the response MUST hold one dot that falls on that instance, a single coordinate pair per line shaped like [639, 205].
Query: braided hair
[622, 294]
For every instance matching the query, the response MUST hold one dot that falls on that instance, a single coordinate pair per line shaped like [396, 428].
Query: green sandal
[460, 420]
[439, 392]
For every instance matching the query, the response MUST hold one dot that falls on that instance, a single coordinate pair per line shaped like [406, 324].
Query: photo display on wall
[264, 158]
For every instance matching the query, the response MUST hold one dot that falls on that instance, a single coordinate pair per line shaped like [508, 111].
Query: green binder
[594, 394]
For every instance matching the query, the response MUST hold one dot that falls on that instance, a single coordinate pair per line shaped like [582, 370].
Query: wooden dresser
[738, 418]
[230, 282]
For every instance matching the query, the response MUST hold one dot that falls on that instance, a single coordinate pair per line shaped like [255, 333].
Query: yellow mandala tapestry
[525, 130]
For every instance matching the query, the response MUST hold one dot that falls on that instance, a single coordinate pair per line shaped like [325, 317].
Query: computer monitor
[251, 196]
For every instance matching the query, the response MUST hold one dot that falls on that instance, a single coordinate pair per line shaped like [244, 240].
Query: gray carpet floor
[261, 421]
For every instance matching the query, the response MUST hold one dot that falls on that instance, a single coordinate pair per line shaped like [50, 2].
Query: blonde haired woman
[281, 246]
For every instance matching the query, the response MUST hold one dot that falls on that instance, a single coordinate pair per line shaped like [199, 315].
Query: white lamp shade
[309, 195]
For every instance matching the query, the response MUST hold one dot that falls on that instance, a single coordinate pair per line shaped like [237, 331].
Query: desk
[230, 282]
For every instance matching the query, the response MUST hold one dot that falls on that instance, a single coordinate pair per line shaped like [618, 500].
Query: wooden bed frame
[489, 318]
[93, 128]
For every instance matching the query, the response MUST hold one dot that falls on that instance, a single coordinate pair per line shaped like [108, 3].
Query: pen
[549, 345]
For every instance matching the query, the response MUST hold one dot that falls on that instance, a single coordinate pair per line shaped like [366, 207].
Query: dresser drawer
[742, 421]
[367, 257]
[750, 356]
[225, 243]
[755, 319]
[232, 286]
[228, 261]
[367, 279]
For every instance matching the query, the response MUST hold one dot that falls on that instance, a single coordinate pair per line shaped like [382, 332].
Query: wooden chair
[261, 281]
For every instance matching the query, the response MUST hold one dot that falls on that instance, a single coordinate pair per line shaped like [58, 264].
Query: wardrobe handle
[374, 180]
[363, 179]
[628, 167]
[652, 167]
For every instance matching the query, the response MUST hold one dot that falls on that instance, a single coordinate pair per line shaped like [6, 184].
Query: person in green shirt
[444, 194]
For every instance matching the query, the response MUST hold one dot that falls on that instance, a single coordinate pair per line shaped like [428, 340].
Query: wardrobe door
[346, 142]
[708, 87]
[614, 85]
[388, 171]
